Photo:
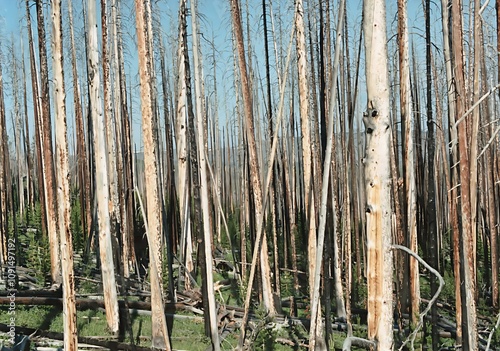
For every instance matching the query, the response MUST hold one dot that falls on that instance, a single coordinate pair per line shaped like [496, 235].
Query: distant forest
[316, 175]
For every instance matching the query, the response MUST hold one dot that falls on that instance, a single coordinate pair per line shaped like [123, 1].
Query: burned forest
[249, 175]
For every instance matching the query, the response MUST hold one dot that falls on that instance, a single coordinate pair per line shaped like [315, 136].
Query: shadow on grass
[49, 318]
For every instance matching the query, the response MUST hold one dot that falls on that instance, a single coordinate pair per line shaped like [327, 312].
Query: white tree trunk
[181, 126]
[202, 163]
[154, 212]
[306, 140]
[62, 169]
[378, 177]
[409, 159]
[101, 169]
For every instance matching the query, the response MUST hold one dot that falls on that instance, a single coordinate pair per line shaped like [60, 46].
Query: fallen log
[87, 304]
[109, 344]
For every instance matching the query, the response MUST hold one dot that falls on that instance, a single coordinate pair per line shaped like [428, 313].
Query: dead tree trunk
[63, 200]
[378, 177]
[47, 154]
[101, 169]
[160, 338]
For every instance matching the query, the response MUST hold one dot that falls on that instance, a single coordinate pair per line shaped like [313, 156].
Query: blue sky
[214, 24]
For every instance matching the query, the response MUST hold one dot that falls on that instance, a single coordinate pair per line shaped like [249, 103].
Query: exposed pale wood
[114, 345]
[63, 200]
[316, 341]
[377, 177]
[467, 242]
[210, 313]
[102, 181]
[452, 193]
[261, 246]
[154, 215]
[83, 170]
[47, 153]
[182, 154]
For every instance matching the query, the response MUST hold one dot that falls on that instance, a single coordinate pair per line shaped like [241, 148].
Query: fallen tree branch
[493, 332]
[360, 342]
[86, 304]
[412, 336]
[109, 344]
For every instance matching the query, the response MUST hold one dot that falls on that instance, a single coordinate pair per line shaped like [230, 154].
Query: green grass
[187, 334]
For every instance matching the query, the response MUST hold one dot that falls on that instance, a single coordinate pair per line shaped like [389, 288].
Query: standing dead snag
[101, 177]
[159, 336]
[208, 288]
[47, 154]
[378, 177]
[63, 200]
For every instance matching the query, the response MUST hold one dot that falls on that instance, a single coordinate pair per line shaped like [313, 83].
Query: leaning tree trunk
[159, 337]
[254, 166]
[63, 199]
[378, 177]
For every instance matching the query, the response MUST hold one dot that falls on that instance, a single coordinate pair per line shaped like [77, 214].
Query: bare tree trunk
[37, 118]
[110, 125]
[211, 313]
[83, 171]
[128, 234]
[453, 199]
[125, 221]
[102, 186]
[159, 337]
[48, 168]
[63, 200]
[306, 140]
[181, 125]
[17, 125]
[377, 177]
[408, 158]
[316, 339]
[261, 245]
[4, 158]
[467, 244]
[430, 206]
[26, 133]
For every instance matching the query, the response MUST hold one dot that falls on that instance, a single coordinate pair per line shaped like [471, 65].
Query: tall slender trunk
[125, 220]
[37, 118]
[409, 159]
[128, 233]
[453, 199]
[4, 158]
[47, 153]
[377, 177]
[210, 312]
[467, 244]
[63, 200]
[160, 338]
[261, 245]
[110, 125]
[83, 171]
[306, 140]
[181, 125]
[29, 160]
[430, 206]
[101, 169]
